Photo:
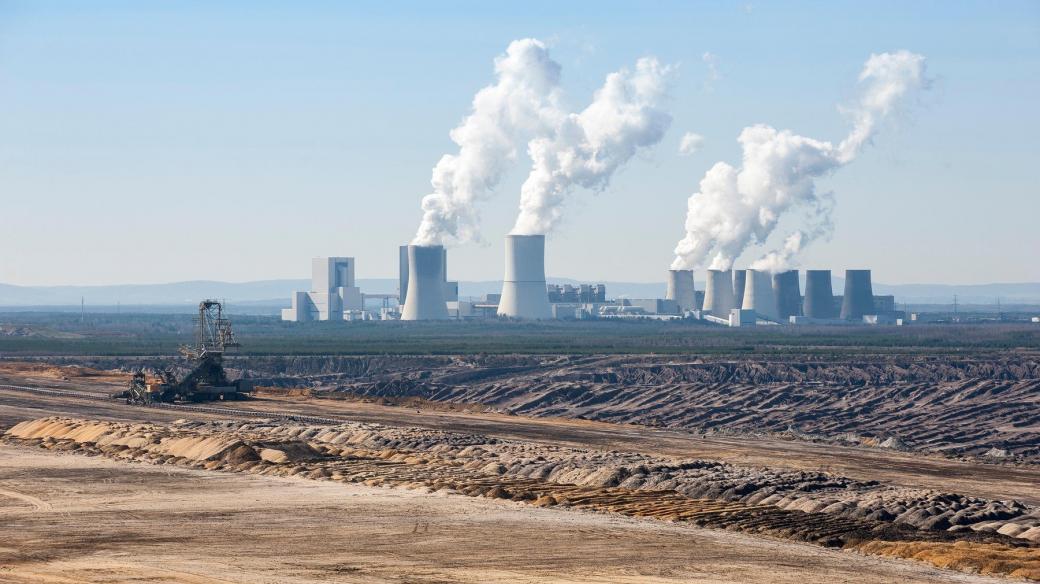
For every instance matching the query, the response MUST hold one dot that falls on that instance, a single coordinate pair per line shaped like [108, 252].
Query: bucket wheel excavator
[207, 380]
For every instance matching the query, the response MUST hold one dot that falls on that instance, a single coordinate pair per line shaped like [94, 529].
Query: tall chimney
[718, 293]
[680, 289]
[424, 299]
[523, 288]
[739, 281]
[759, 296]
[859, 295]
[788, 294]
[819, 295]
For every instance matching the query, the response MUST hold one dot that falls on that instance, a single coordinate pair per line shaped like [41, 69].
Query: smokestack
[788, 294]
[680, 289]
[523, 288]
[859, 295]
[739, 281]
[819, 295]
[759, 296]
[424, 299]
[718, 293]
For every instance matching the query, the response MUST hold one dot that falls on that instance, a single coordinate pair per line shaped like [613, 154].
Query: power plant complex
[730, 297]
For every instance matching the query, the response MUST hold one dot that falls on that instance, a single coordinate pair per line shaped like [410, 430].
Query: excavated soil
[69, 518]
[984, 406]
[944, 529]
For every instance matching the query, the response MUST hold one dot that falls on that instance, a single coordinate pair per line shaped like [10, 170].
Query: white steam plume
[690, 144]
[586, 148]
[522, 101]
[735, 208]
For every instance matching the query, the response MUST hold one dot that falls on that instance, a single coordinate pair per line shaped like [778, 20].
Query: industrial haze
[277, 292]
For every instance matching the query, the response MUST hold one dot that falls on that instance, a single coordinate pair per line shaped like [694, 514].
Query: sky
[152, 142]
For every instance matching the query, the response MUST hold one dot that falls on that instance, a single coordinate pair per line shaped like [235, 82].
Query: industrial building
[426, 289]
[524, 293]
[730, 297]
[582, 293]
[333, 292]
[760, 296]
[451, 289]
[718, 294]
[681, 289]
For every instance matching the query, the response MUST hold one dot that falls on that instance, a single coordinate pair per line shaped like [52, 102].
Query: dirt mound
[980, 558]
[812, 507]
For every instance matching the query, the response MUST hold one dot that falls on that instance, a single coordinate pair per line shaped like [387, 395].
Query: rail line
[229, 412]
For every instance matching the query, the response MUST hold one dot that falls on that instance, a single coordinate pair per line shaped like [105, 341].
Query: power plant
[731, 297]
[788, 294]
[424, 299]
[739, 281]
[759, 295]
[859, 295]
[681, 289]
[333, 292]
[819, 295]
[523, 287]
[718, 294]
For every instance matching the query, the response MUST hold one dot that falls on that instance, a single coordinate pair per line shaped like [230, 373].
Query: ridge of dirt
[985, 536]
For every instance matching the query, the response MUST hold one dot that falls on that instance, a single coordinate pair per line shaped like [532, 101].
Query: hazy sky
[145, 142]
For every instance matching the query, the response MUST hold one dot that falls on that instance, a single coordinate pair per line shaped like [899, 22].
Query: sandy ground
[905, 469]
[70, 518]
[911, 470]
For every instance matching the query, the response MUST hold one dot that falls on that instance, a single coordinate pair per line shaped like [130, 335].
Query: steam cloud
[586, 148]
[522, 101]
[690, 144]
[735, 208]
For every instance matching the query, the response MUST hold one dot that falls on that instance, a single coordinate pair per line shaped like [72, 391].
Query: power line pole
[956, 318]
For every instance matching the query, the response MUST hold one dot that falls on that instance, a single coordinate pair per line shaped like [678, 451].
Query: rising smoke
[521, 103]
[736, 208]
[586, 148]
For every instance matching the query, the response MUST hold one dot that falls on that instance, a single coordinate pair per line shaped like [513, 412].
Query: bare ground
[71, 518]
[899, 469]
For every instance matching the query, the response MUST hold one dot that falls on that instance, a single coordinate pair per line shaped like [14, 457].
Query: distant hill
[275, 293]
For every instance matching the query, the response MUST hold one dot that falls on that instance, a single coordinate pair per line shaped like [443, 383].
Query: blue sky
[165, 141]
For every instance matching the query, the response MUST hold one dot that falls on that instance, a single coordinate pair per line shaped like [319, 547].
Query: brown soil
[116, 522]
[459, 464]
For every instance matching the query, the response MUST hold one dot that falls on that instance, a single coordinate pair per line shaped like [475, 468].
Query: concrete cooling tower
[718, 293]
[739, 280]
[680, 289]
[424, 299]
[859, 295]
[759, 296]
[788, 294]
[523, 288]
[819, 295]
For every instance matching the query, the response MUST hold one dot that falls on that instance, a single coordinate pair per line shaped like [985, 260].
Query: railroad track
[221, 411]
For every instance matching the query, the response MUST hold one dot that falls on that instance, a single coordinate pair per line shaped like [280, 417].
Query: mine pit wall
[983, 405]
[984, 536]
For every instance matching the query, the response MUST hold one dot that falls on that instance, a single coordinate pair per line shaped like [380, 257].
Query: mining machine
[207, 380]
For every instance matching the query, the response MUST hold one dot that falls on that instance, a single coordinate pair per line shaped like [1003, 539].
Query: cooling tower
[680, 289]
[739, 279]
[424, 299]
[759, 296]
[819, 295]
[788, 294]
[718, 293]
[523, 288]
[859, 295]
